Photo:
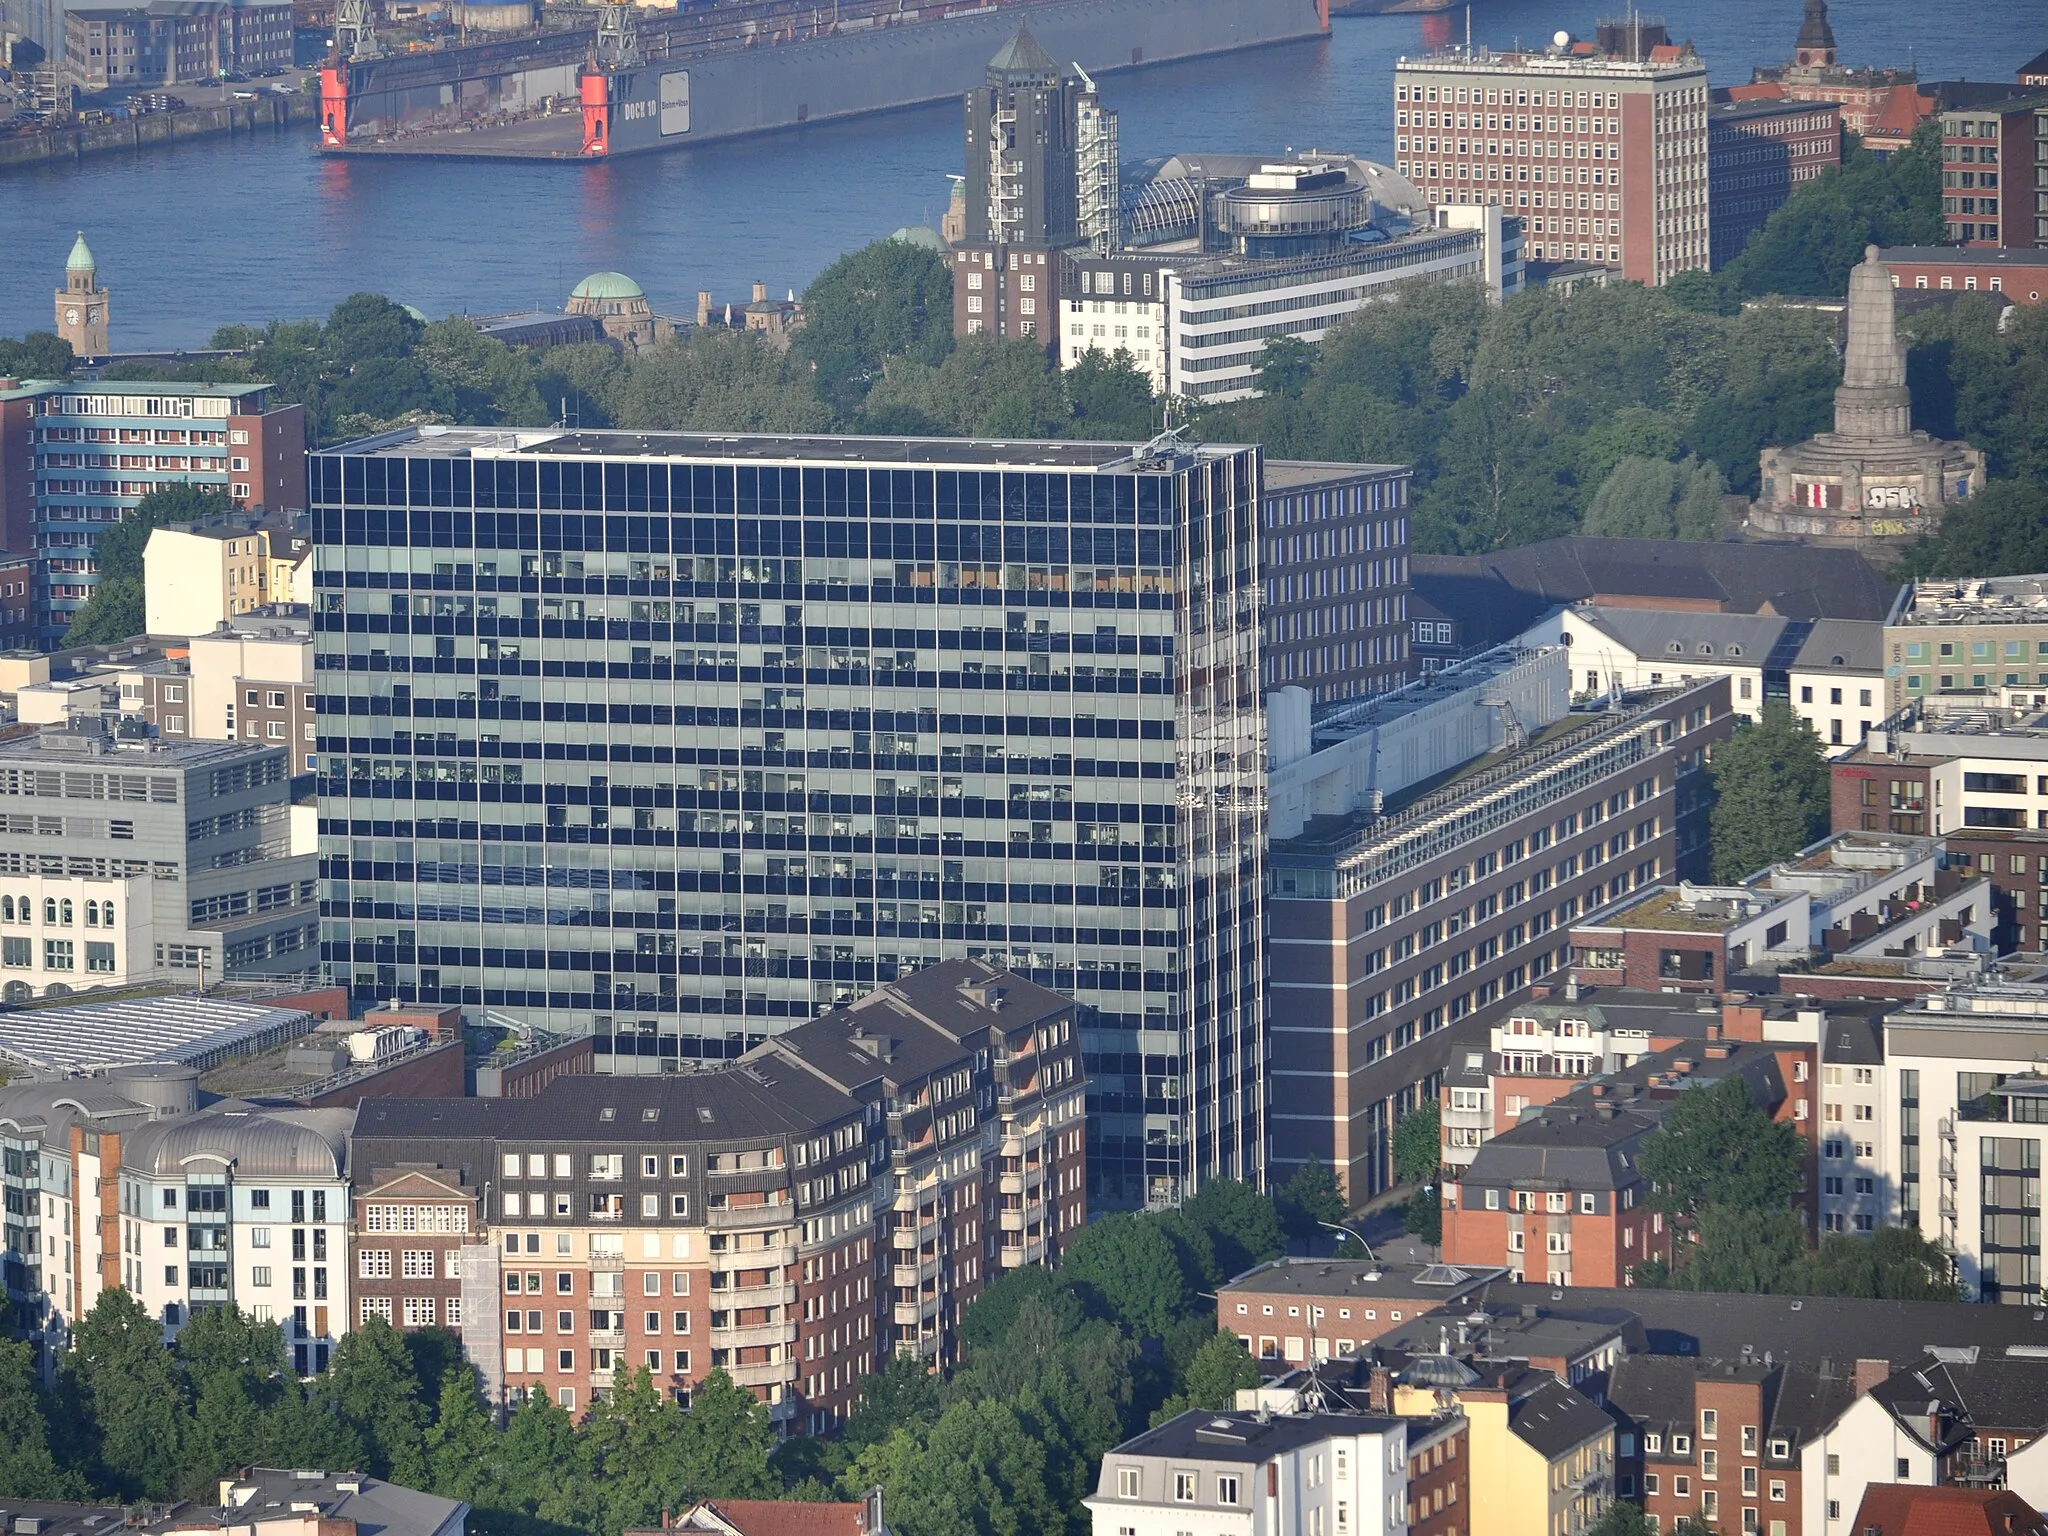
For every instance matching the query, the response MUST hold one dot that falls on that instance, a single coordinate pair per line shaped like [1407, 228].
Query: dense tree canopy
[1771, 785]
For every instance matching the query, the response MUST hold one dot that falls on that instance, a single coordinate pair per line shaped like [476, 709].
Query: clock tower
[82, 304]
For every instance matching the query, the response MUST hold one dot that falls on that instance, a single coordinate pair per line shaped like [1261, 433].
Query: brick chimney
[1741, 1019]
[1379, 1390]
[1869, 1373]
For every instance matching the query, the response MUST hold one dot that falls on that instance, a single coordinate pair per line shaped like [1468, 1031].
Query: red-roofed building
[1898, 1509]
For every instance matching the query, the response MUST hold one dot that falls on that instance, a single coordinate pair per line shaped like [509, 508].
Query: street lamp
[1353, 1235]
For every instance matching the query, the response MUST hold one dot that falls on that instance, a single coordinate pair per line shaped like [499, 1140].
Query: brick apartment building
[1759, 152]
[1562, 1196]
[2018, 274]
[792, 1219]
[1990, 172]
[1304, 1309]
[1601, 146]
[1336, 574]
[1393, 926]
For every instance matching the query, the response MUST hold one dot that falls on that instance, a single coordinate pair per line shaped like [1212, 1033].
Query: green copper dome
[607, 285]
[81, 256]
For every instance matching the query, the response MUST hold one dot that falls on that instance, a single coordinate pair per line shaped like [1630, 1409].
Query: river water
[215, 230]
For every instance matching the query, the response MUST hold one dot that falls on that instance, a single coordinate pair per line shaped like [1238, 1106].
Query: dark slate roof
[1859, 642]
[1565, 1149]
[1497, 596]
[735, 1104]
[1203, 1434]
[1852, 1038]
[964, 997]
[1811, 1395]
[1975, 1388]
[2037, 65]
[1721, 1326]
[1554, 1418]
[1654, 1390]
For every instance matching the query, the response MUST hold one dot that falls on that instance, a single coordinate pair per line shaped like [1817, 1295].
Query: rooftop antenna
[1468, 30]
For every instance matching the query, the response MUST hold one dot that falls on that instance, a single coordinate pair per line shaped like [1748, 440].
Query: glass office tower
[680, 740]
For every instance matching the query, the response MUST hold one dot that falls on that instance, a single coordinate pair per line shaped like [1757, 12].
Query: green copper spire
[81, 256]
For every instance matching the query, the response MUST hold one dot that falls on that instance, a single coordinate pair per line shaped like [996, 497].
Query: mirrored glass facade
[682, 740]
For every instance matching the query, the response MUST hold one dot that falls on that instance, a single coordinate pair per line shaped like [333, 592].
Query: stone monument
[1873, 477]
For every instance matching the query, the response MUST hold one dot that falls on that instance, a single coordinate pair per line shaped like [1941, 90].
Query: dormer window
[1676, 648]
[1734, 650]
[1705, 649]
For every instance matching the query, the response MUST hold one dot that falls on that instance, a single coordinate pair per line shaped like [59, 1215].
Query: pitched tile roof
[1894, 1509]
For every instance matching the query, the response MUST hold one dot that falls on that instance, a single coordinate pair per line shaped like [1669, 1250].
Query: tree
[235, 1369]
[133, 1395]
[1732, 429]
[2001, 531]
[1286, 365]
[1418, 1159]
[461, 1445]
[371, 1385]
[889, 299]
[38, 355]
[633, 1450]
[1818, 233]
[718, 381]
[1770, 785]
[1895, 1264]
[1716, 1147]
[723, 1445]
[1622, 1518]
[1111, 398]
[117, 609]
[1221, 1368]
[1754, 1249]
[367, 327]
[984, 1325]
[1656, 499]
[1311, 1197]
[1125, 1267]
[978, 1471]
[1240, 1224]
[28, 1468]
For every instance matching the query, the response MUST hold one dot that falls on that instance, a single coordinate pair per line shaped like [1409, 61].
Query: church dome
[417, 314]
[81, 256]
[607, 285]
[920, 235]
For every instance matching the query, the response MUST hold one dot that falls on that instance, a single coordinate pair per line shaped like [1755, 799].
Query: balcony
[776, 1295]
[726, 1218]
[774, 1256]
[912, 1276]
[607, 1263]
[608, 1338]
[777, 1373]
[754, 1336]
[903, 1237]
[1010, 1183]
[911, 1314]
[1010, 1221]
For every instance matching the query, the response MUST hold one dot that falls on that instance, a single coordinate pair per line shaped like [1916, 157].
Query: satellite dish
[1561, 39]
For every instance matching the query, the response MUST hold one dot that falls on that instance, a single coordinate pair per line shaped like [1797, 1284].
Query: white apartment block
[1221, 311]
[125, 1180]
[1257, 1473]
[1830, 671]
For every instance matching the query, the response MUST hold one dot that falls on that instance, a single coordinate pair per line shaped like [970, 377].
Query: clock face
[71, 317]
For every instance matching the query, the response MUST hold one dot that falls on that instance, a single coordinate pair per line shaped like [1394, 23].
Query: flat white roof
[92, 1037]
